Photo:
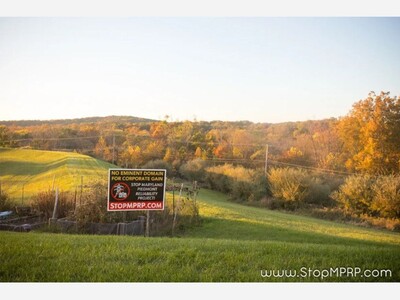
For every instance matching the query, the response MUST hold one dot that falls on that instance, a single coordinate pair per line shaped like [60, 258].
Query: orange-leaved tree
[371, 135]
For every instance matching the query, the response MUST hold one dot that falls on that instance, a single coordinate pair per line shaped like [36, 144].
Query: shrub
[218, 182]
[272, 203]
[260, 187]
[5, 203]
[318, 193]
[386, 196]
[233, 180]
[94, 210]
[363, 194]
[194, 170]
[240, 183]
[44, 202]
[296, 186]
[355, 194]
[94, 207]
[390, 224]
[288, 184]
[242, 191]
[187, 215]
[237, 173]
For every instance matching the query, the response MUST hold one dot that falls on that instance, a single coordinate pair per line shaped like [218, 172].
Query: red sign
[136, 189]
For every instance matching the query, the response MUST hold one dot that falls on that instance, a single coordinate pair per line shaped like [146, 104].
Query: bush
[44, 202]
[240, 183]
[94, 207]
[272, 203]
[318, 193]
[5, 203]
[242, 191]
[237, 173]
[288, 184]
[371, 196]
[296, 186]
[94, 210]
[386, 200]
[187, 215]
[194, 170]
[355, 195]
[218, 182]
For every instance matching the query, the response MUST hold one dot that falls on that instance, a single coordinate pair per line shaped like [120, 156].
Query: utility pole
[266, 159]
[22, 200]
[148, 223]
[76, 191]
[55, 205]
[176, 210]
[80, 196]
[113, 155]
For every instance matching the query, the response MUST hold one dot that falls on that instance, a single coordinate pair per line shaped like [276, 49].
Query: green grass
[234, 243]
[25, 172]
[225, 219]
[47, 257]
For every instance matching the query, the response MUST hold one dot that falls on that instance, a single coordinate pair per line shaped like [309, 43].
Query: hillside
[24, 172]
[108, 119]
[234, 244]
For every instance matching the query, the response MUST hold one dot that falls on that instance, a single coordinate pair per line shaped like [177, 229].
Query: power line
[235, 159]
[312, 168]
[241, 160]
[213, 143]
[38, 139]
[274, 162]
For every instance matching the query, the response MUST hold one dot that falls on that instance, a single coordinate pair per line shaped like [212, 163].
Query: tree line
[366, 140]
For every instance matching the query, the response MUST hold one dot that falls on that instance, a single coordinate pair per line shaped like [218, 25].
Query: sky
[261, 69]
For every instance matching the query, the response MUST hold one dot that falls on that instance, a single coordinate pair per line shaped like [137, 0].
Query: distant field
[234, 243]
[24, 172]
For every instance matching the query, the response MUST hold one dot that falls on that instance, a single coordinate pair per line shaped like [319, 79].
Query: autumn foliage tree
[371, 135]
[102, 150]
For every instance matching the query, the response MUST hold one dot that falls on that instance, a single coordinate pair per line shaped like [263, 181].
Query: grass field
[24, 172]
[235, 243]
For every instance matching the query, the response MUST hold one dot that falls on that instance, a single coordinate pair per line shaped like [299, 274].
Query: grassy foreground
[234, 244]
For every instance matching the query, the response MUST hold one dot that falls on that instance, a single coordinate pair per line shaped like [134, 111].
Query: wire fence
[20, 192]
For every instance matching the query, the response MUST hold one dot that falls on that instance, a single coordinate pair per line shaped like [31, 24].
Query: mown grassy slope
[234, 244]
[24, 172]
[225, 219]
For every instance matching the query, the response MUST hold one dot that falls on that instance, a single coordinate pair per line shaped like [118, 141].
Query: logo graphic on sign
[120, 191]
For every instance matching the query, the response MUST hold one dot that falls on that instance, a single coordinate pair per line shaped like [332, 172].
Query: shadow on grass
[247, 231]
[26, 168]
